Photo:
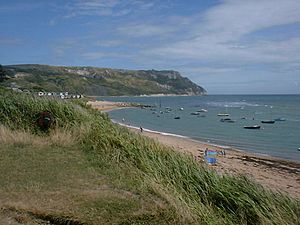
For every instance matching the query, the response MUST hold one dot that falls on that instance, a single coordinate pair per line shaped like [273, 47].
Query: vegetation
[86, 170]
[2, 74]
[99, 81]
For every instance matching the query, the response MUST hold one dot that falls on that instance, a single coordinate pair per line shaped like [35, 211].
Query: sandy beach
[106, 106]
[274, 173]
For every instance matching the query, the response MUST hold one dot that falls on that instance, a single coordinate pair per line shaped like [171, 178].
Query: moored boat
[223, 114]
[228, 120]
[202, 110]
[195, 113]
[252, 127]
[268, 121]
[177, 117]
[280, 119]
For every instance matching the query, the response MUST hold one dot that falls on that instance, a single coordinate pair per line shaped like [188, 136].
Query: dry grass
[60, 137]
[50, 175]
[19, 138]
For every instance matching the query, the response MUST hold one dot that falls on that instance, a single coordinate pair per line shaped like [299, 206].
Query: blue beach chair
[211, 161]
[211, 157]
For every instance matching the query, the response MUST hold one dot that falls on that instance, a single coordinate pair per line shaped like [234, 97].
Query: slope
[99, 81]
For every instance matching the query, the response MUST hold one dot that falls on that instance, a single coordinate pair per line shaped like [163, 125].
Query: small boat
[168, 109]
[202, 110]
[280, 119]
[228, 120]
[268, 121]
[195, 113]
[298, 149]
[252, 127]
[223, 114]
[181, 109]
[177, 117]
[243, 118]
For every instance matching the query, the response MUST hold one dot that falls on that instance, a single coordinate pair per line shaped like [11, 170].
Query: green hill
[87, 170]
[98, 81]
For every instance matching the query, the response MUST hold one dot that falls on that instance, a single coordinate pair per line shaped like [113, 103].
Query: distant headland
[98, 81]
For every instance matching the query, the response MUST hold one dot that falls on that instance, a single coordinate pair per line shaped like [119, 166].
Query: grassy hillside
[99, 81]
[86, 170]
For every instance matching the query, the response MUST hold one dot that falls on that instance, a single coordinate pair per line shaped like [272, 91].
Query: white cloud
[101, 54]
[106, 7]
[95, 55]
[20, 6]
[89, 8]
[65, 45]
[216, 37]
[235, 18]
[208, 70]
[108, 43]
[143, 29]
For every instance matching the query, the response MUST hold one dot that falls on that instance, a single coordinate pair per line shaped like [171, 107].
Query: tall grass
[21, 111]
[199, 195]
[208, 197]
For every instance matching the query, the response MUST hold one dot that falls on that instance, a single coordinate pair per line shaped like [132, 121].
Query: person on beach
[141, 129]
[205, 152]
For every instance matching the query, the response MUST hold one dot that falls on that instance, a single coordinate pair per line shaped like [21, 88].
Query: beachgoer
[205, 152]
[141, 129]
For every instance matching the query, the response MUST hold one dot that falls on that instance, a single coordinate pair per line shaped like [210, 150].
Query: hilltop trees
[2, 73]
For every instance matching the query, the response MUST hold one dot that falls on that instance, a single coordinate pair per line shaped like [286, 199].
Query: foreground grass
[86, 169]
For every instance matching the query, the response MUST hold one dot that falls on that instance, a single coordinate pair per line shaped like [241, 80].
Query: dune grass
[99, 173]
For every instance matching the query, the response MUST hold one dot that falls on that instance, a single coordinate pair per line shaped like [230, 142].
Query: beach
[105, 106]
[276, 174]
[273, 173]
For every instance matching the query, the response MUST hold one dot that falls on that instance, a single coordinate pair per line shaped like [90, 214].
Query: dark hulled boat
[228, 120]
[268, 121]
[252, 127]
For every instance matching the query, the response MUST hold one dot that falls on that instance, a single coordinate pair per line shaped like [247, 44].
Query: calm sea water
[281, 139]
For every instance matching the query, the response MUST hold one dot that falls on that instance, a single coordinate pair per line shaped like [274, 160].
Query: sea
[281, 139]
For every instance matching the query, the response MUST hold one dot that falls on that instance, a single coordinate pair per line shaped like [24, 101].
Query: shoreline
[106, 106]
[274, 173]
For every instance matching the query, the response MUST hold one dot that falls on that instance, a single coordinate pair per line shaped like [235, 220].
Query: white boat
[202, 110]
[223, 114]
[280, 119]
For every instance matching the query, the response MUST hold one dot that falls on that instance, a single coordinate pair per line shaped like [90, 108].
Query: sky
[225, 46]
